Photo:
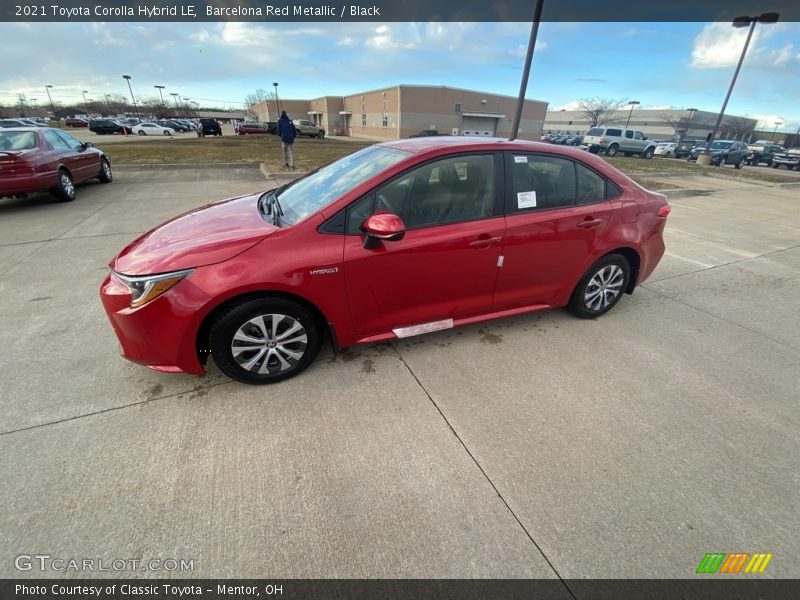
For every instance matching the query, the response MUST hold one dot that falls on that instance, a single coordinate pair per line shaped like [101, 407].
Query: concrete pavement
[538, 446]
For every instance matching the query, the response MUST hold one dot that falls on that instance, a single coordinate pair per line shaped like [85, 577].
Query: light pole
[775, 131]
[35, 108]
[175, 97]
[277, 100]
[108, 103]
[85, 102]
[159, 88]
[685, 129]
[52, 106]
[135, 109]
[526, 70]
[738, 22]
[632, 103]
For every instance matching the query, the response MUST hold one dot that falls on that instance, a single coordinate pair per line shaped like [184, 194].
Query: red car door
[556, 213]
[446, 264]
[60, 153]
[86, 162]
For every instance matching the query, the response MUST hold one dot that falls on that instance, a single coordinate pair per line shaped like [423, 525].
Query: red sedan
[76, 122]
[38, 159]
[395, 240]
[251, 129]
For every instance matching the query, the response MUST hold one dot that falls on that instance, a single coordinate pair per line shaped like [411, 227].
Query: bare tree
[158, 108]
[599, 110]
[258, 96]
[683, 125]
[738, 128]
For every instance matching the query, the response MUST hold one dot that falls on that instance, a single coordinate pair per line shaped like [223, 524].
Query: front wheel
[600, 288]
[141, 132]
[321, 134]
[265, 340]
[739, 165]
[167, 133]
[65, 189]
[648, 154]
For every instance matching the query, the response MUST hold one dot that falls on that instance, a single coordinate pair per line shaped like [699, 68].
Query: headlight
[145, 288]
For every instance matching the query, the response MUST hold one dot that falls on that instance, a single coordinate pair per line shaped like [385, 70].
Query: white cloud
[345, 41]
[720, 45]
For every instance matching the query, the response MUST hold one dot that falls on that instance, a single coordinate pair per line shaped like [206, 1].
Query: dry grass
[638, 166]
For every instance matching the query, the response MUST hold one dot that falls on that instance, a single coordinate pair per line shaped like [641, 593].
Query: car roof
[457, 143]
[25, 128]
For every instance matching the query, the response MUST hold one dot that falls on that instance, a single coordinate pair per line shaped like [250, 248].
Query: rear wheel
[612, 150]
[321, 134]
[141, 132]
[65, 189]
[167, 133]
[601, 287]
[106, 176]
[264, 340]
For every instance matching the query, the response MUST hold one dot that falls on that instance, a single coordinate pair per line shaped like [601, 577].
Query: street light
[175, 97]
[84, 92]
[277, 100]
[738, 22]
[108, 103]
[632, 103]
[159, 88]
[775, 131]
[135, 109]
[52, 106]
[526, 70]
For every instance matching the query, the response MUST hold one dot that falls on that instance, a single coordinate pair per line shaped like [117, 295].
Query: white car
[152, 129]
[666, 149]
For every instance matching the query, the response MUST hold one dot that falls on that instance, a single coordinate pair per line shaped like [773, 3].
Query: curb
[675, 194]
[182, 166]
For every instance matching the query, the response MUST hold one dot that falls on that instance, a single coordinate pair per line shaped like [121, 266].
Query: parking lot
[538, 446]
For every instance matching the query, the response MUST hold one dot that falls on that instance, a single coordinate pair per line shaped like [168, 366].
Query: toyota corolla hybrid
[395, 240]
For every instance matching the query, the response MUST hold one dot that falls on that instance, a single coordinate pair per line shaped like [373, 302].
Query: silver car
[303, 127]
[613, 140]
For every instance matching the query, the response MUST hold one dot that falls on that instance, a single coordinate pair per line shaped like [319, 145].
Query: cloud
[720, 45]
[345, 41]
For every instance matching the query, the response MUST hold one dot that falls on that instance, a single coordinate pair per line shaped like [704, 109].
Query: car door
[445, 266]
[61, 153]
[556, 213]
[628, 145]
[86, 162]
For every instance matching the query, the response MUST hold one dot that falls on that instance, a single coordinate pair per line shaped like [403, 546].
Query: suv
[788, 158]
[208, 127]
[251, 128]
[102, 126]
[723, 152]
[302, 127]
[762, 153]
[613, 140]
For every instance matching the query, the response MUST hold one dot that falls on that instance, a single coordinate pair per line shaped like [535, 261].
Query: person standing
[286, 131]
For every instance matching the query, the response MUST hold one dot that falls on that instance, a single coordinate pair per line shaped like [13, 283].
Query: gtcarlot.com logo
[46, 562]
[734, 563]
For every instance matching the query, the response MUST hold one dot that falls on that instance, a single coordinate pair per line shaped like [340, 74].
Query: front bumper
[162, 334]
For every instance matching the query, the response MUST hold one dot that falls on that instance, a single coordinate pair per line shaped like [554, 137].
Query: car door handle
[485, 242]
[590, 223]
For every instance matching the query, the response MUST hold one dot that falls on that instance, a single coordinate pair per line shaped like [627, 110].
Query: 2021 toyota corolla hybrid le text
[395, 240]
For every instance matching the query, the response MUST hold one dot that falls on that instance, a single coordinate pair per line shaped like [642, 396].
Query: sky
[662, 65]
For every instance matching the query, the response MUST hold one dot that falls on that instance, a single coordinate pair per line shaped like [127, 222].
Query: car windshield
[332, 181]
[721, 145]
[17, 140]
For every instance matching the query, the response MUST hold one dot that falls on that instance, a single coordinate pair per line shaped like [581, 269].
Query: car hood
[204, 236]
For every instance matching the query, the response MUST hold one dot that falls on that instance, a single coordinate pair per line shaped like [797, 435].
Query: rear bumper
[24, 184]
[161, 334]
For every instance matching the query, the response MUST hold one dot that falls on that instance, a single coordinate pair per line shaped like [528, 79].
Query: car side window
[56, 143]
[614, 132]
[638, 135]
[540, 182]
[629, 134]
[591, 186]
[453, 189]
[71, 142]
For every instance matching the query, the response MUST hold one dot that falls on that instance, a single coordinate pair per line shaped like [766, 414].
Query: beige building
[400, 111]
[656, 124]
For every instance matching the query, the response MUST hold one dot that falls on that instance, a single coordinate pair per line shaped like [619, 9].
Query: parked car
[272, 127]
[251, 129]
[789, 159]
[303, 127]
[762, 153]
[684, 149]
[394, 240]
[666, 149]
[105, 126]
[75, 122]
[613, 140]
[208, 127]
[37, 159]
[723, 152]
[547, 138]
[152, 129]
[13, 123]
[425, 133]
[175, 125]
[574, 140]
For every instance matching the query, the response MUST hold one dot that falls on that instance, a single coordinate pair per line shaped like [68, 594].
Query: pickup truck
[762, 153]
[789, 159]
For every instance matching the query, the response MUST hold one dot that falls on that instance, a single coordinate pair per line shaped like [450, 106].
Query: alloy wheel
[603, 288]
[67, 185]
[269, 344]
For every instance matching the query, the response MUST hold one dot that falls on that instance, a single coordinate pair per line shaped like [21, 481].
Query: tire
[321, 134]
[167, 133]
[141, 132]
[648, 154]
[65, 188]
[668, 154]
[253, 320]
[586, 301]
[106, 175]
[612, 150]
[739, 165]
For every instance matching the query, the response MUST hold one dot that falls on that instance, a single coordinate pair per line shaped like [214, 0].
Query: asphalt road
[538, 446]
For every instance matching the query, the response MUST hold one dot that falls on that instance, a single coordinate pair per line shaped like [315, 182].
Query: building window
[385, 120]
[363, 119]
[570, 123]
[457, 107]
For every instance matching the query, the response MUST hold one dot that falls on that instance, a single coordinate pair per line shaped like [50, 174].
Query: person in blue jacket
[287, 132]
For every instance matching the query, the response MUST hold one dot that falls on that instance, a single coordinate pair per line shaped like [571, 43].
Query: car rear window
[17, 140]
[595, 131]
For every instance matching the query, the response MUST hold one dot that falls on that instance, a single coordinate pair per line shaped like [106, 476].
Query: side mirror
[88, 145]
[383, 226]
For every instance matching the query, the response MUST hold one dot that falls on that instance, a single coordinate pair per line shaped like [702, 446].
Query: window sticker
[526, 199]
[520, 159]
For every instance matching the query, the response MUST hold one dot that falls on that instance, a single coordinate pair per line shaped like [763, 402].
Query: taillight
[663, 211]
